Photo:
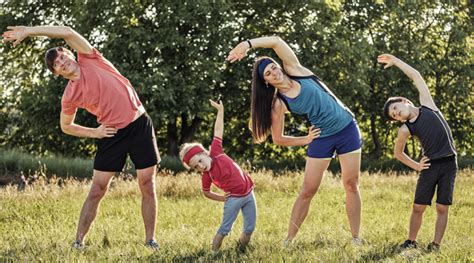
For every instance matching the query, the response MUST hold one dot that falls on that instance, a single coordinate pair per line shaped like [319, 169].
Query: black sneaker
[77, 245]
[152, 244]
[433, 247]
[409, 244]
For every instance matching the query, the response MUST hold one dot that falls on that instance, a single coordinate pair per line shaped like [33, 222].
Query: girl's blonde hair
[185, 147]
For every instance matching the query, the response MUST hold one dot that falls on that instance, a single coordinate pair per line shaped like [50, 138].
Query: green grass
[39, 223]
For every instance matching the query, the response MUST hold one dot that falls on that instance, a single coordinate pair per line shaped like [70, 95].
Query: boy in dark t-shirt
[438, 165]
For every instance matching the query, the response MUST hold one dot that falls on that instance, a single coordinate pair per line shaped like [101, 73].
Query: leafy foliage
[173, 53]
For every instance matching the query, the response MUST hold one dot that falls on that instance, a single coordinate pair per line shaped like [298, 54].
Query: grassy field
[39, 222]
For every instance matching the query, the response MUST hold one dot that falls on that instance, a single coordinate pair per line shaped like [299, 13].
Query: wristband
[250, 43]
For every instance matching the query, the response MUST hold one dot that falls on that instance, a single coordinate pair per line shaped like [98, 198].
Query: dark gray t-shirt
[433, 132]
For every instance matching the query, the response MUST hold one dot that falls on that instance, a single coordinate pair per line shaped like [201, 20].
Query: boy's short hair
[184, 148]
[390, 101]
[51, 56]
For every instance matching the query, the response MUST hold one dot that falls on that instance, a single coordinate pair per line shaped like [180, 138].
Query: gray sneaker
[357, 241]
[153, 245]
[78, 245]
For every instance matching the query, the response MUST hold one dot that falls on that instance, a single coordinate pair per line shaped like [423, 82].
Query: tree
[173, 53]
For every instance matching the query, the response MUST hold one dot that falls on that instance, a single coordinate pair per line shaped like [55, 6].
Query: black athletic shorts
[441, 173]
[137, 139]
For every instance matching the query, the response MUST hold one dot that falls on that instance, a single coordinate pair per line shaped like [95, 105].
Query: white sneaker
[357, 241]
[286, 243]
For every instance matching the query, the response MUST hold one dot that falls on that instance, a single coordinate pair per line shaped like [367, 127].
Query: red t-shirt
[225, 173]
[102, 91]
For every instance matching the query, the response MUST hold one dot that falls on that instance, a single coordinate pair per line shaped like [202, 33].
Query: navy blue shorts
[137, 140]
[345, 141]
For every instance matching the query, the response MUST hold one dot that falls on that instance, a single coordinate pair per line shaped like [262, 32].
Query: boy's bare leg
[415, 221]
[441, 222]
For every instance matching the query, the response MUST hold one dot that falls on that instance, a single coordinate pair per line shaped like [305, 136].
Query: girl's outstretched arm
[219, 125]
[216, 197]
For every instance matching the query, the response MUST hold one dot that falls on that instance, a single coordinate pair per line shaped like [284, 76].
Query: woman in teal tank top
[333, 130]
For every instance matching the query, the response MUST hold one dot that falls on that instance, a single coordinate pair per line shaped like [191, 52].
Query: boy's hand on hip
[423, 164]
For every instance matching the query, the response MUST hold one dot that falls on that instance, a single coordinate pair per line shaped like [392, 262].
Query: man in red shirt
[125, 128]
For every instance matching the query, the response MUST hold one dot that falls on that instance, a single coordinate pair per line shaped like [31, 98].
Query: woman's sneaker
[409, 244]
[152, 244]
[286, 243]
[357, 241]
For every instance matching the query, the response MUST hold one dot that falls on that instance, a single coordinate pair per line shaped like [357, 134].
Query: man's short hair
[51, 56]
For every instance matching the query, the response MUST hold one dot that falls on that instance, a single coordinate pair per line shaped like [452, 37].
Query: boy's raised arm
[425, 96]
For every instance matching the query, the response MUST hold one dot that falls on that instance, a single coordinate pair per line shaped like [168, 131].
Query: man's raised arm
[16, 34]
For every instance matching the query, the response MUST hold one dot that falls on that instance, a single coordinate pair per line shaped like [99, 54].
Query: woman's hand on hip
[313, 133]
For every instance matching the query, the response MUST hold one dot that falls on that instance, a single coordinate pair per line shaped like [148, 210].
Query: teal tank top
[319, 105]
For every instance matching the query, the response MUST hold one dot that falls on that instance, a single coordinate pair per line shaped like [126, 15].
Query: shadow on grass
[321, 243]
[232, 254]
[9, 256]
[377, 253]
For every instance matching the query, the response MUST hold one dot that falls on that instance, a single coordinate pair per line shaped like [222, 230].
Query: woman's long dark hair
[261, 105]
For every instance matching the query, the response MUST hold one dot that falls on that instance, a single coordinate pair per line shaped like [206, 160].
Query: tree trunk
[187, 132]
[377, 151]
[172, 138]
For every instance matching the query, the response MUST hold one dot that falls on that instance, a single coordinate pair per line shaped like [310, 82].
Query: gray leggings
[231, 209]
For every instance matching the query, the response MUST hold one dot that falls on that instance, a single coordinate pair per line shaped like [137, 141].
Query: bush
[16, 162]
